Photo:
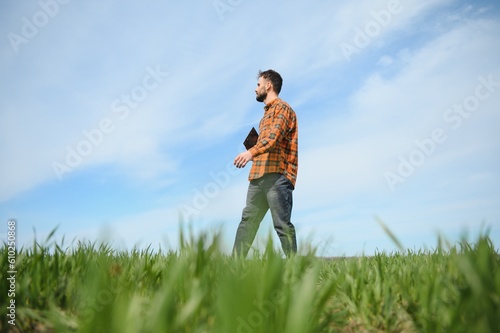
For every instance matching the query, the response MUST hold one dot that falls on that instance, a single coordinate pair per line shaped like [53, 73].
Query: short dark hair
[274, 77]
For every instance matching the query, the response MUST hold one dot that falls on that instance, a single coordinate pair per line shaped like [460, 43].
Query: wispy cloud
[357, 115]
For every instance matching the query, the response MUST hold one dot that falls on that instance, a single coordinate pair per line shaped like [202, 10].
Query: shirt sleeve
[279, 125]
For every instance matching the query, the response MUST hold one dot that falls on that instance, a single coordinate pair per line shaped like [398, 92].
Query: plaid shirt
[276, 150]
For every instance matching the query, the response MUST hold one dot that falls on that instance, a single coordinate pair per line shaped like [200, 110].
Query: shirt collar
[271, 103]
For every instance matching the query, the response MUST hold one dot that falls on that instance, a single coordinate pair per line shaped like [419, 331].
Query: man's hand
[242, 159]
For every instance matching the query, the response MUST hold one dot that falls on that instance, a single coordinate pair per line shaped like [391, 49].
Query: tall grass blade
[390, 234]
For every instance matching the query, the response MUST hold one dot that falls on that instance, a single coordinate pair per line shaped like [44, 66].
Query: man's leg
[280, 202]
[253, 213]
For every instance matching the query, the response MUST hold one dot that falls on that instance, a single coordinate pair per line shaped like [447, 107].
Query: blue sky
[120, 120]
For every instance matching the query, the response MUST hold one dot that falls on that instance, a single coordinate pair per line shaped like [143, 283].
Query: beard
[261, 97]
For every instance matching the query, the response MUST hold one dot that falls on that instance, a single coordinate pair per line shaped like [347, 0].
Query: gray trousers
[271, 192]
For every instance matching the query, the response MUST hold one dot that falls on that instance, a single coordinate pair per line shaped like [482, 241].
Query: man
[274, 170]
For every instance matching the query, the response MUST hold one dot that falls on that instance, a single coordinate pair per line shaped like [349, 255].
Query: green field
[89, 287]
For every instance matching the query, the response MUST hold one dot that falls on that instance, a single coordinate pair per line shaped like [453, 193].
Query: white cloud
[386, 116]
[356, 118]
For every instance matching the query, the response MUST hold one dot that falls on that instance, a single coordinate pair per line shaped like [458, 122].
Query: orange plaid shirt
[276, 150]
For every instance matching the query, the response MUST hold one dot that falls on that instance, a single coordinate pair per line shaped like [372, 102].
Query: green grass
[93, 288]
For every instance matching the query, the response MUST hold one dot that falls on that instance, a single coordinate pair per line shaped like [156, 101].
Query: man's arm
[279, 127]
[242, 159]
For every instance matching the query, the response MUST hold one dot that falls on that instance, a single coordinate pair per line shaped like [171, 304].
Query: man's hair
[274, 77]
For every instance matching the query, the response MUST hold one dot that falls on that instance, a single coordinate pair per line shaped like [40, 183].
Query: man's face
[261, 89]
